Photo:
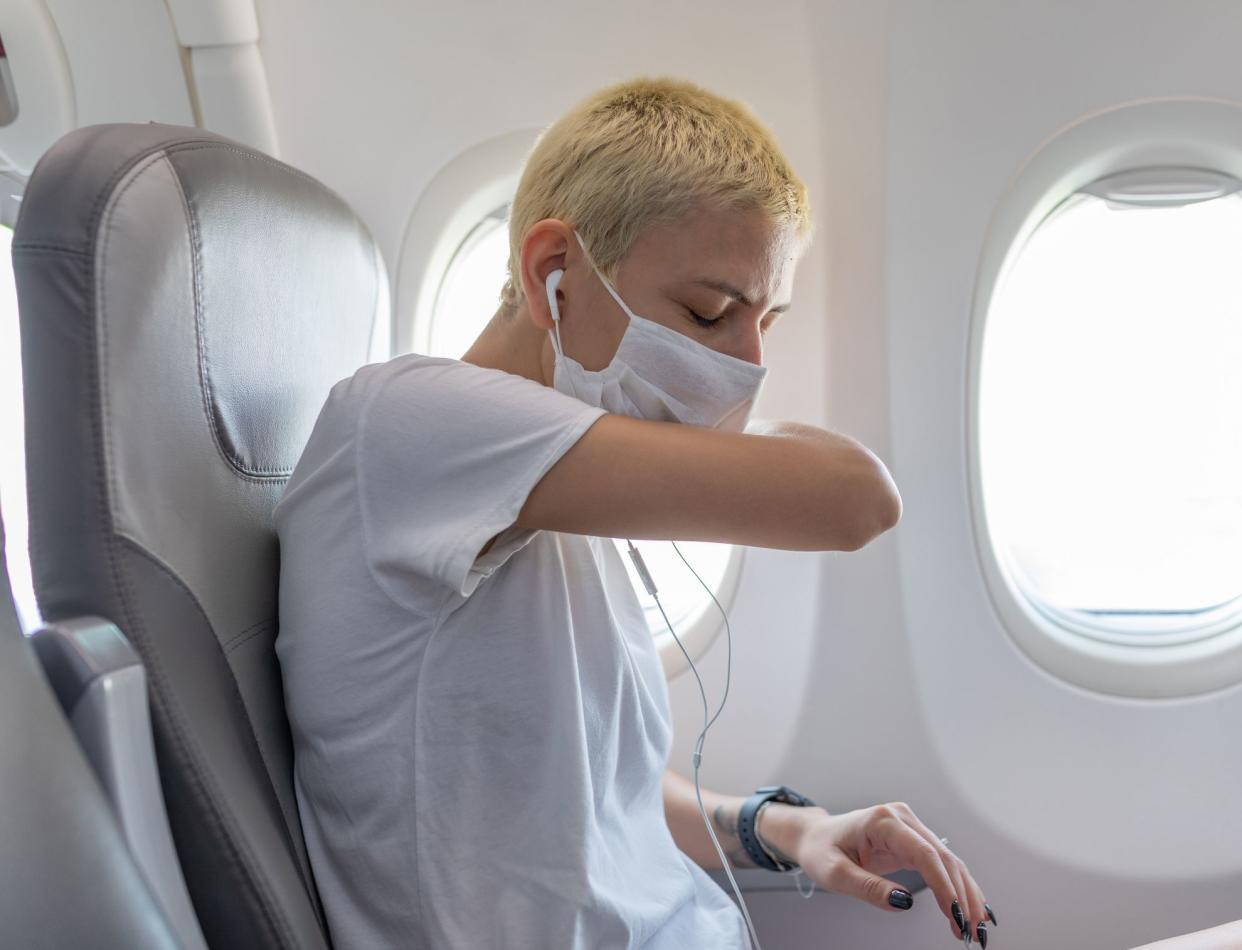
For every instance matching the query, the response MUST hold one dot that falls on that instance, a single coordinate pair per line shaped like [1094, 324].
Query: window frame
[1188, 132]
[12, 188]
[466, 190]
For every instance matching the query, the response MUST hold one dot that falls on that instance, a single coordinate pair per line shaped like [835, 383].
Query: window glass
[12, 444]
[1111, 414]
[684, 599]
[468, 296]
[469, 292]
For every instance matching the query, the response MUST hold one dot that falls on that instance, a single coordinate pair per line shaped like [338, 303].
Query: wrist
[781, 827]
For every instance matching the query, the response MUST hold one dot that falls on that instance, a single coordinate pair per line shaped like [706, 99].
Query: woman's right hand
[848, 853]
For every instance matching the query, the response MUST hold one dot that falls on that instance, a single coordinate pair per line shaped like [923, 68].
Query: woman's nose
[750, 347]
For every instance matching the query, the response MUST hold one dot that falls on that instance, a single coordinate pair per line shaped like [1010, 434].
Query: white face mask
[657, 373]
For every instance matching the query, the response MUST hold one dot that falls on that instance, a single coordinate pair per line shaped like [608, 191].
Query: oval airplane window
[466, 298]
[1110, 410]
[12, 444]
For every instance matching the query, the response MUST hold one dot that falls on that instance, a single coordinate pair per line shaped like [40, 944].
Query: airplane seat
[70, 880]
[186, 303]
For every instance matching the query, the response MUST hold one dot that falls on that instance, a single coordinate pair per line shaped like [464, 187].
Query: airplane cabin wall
[1094, 821]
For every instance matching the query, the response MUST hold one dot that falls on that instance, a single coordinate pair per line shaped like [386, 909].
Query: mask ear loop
[612, 291]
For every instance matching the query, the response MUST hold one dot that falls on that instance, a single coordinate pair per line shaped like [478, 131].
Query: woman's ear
[544, 250]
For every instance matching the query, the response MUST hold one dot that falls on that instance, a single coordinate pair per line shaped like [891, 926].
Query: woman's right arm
[778, 485]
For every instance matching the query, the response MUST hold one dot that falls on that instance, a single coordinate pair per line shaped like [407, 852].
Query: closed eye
[702, 320]
[764, 325]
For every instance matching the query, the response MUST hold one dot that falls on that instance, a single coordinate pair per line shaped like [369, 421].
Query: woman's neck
[511, 342]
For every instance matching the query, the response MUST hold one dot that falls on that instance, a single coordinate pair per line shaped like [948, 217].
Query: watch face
[790, 797]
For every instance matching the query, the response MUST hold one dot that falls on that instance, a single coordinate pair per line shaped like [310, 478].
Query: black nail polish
[990, 914]
[900, 899]
[958, 918]
[966, 936]
[982, 931]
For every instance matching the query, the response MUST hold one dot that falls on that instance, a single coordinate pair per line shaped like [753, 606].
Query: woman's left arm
[844, 853]
[681, 811]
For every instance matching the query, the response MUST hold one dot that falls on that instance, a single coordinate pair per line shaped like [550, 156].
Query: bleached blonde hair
[644, 151]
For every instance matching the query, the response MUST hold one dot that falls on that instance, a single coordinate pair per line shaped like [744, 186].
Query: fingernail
[900, 899]
[982, 931]
[966, 936]
[990, 914]
[958, 918]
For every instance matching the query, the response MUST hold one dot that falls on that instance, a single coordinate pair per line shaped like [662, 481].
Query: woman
[480, 719]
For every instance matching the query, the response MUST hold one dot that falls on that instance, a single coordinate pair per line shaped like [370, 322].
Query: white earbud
[553, 281]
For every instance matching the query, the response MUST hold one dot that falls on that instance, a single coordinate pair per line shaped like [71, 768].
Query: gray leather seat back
[69, 880]
[186, 304]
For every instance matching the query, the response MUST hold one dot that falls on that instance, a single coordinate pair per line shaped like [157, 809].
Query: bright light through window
[12, 444]
[468, 296]
[683, 597]
[1111, 413]
[470, 292]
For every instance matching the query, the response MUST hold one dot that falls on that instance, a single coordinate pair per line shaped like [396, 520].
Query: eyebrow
[729, 290]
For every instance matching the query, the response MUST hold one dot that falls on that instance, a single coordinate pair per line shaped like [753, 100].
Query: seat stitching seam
[19, 246]
[200, 326]
[200, 332]
[254, 626]
[256, 630]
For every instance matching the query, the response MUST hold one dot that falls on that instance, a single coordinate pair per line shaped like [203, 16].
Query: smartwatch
[746, 823]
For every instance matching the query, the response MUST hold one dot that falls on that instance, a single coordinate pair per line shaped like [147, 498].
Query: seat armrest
[757, 879]
[102, 687]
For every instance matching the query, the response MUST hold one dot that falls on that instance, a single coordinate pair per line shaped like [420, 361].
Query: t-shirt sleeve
[447, 453]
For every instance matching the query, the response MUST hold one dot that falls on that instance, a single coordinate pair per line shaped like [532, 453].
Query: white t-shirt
[479, 743]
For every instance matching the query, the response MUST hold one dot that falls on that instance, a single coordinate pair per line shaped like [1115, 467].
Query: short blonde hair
[643, 151]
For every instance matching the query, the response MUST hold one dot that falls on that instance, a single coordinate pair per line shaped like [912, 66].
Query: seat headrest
[269, 245]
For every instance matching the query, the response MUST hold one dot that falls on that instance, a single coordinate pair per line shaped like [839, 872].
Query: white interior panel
[125, 59]
[232, 94]
[214, 22]
[1088, 801]
[46, 107]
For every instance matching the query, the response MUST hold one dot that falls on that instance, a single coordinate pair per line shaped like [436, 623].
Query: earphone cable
[697, 757]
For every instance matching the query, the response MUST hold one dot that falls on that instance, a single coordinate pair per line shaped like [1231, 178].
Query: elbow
[852, 509]
[878, 510]
[886, 514]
